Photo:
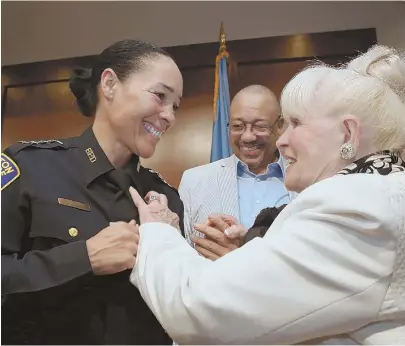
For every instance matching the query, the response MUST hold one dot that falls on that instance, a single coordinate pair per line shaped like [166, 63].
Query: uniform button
[257, 201]
[73, 232]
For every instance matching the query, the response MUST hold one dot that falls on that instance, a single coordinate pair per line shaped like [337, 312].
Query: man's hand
[114, 248]
[222, 235]
[156, 210]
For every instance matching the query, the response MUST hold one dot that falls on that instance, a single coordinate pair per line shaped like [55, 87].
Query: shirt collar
[94, 160]
[132, 165]
[274, 169]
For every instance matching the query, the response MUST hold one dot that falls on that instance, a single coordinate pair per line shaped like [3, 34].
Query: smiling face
[311, 146]
[320, 118]
[143, 106]
[253, 129]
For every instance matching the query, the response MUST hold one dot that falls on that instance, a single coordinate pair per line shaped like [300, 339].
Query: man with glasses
[245, 183]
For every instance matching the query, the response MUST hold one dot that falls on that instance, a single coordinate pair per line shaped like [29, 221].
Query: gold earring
[347, 151]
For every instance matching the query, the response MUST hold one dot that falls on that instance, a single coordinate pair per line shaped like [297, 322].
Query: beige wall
[36, 31]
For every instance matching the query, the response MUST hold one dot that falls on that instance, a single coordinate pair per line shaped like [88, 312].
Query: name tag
[74, 204]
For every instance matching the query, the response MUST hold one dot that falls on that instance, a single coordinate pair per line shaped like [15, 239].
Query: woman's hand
[155, 209]
[113, 249]
[221, 236]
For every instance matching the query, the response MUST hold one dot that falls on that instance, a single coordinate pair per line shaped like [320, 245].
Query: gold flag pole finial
[221, 54]
[222, 39]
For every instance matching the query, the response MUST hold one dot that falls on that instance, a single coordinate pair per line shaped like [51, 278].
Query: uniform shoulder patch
[9, 171]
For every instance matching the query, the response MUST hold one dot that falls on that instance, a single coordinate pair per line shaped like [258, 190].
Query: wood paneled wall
[37, 103]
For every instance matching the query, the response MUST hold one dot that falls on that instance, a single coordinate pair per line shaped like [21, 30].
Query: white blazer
[211, 189]
[331, 266]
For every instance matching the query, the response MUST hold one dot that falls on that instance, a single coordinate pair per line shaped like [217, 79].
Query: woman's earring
[347, 151]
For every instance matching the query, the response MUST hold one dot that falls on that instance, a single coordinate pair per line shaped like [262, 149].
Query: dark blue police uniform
[55, 195]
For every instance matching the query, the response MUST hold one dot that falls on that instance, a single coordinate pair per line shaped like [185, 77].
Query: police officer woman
[69, 232]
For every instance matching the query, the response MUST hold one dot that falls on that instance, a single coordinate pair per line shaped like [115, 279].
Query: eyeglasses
[256, 129]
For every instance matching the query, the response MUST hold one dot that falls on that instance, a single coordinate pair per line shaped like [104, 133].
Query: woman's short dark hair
[124, 57]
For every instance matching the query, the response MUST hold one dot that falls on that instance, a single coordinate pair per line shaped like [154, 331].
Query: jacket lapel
[228, 187]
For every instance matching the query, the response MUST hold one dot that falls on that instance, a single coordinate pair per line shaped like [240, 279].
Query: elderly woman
[332, 264]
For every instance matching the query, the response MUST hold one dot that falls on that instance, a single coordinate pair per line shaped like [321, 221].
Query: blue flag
[220, 147]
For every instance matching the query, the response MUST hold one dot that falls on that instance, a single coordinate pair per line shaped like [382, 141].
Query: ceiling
[38, 31]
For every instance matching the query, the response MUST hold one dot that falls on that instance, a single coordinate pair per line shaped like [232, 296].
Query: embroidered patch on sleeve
[9, 171]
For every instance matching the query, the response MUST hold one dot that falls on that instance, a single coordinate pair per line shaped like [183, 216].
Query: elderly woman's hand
[222, 234]
[155, 208]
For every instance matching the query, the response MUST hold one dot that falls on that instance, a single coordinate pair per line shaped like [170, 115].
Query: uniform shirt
[256, 192]
[55, 196]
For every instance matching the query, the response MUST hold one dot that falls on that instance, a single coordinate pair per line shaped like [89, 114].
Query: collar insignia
[91, 155]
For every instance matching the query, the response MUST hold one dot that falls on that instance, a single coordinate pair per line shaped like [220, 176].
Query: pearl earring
[347, 151]
[109, 96]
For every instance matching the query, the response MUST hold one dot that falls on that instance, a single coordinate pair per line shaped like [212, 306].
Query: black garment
[262, 223]
[49, 294]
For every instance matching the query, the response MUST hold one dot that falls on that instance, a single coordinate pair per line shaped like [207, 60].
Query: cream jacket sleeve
[323, 268]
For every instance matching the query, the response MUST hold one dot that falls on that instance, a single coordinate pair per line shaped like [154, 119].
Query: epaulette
[47, 142]
[9, 167]
[157, 175]
[161, 178]
[41, 144]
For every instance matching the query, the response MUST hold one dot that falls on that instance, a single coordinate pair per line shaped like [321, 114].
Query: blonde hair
[371, 86]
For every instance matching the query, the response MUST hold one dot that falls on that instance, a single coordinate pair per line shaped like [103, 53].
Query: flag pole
[222, 39]
[221, 53]
[220, 147]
